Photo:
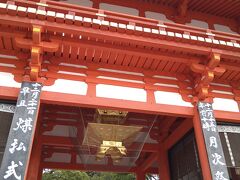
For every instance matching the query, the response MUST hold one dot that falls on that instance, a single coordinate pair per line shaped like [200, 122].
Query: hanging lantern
[109, 136]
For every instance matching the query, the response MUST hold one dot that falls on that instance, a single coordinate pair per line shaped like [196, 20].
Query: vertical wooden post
[40, 171]
[91, 91]
[35, 160]
[150, 96]
[90, 80]
[34, 168]
[201, 146]
[140, 175]
[164, 172]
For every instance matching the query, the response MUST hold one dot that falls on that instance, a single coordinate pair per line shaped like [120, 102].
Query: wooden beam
[148, 162]
[178, 133]
[131, 50]
[58, 41]
[164, 127]
[10, 93]
[78, 100]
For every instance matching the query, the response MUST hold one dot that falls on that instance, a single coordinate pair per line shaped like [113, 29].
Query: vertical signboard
[19, 144]
[212, 140]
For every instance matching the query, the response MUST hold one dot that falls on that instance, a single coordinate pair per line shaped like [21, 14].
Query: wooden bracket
[37, 34]
[35, 63]
[207, 74]
[236, 91]
[37, 47]
[184, 89]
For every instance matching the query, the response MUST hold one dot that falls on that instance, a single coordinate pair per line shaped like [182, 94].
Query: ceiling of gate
[64, 136]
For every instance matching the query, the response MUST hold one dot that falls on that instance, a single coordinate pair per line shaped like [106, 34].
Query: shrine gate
[122, 86]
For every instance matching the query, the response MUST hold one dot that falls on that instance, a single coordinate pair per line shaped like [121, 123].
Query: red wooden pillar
[164, 172]
[35, 160]
[34, 168]
[140, 175]
[40, 171]
[201, 146]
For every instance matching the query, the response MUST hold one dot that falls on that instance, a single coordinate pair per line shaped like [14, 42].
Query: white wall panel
[170, 98]
[225, 105]
[67, 86]
[7, 79]
[118, 92]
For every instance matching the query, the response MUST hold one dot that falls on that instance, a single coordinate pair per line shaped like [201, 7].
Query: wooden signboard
[19, 143]
[212, 140]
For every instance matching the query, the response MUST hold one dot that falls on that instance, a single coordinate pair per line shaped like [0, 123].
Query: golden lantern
[109, 136]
